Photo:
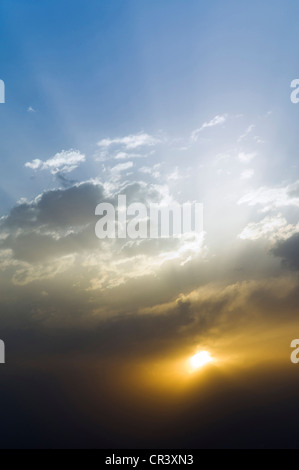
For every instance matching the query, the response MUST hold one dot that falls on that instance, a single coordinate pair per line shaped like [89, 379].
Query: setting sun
[200, 359]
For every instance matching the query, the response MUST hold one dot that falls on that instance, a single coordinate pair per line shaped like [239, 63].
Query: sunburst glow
[200, 359]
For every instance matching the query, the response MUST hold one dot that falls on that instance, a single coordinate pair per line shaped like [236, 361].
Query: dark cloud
[62, 221]
[85, 379]
[58, 208]
[288, 251]
[66, 182]
[37, 247]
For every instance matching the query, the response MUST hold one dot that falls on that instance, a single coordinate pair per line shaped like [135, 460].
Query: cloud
[246, 157]
[247, 174]
[121, 167]
[216, 121]
[273, 198]
[175, 175]
[246, 133]
[116, 171]
[153, 171]
[288, 251]
[55, 232]
[63, 162]
[63, 346]
[55, 209]
[126, 155]
[270, 228]
[130, 142]
[46, 230]
[31, 109]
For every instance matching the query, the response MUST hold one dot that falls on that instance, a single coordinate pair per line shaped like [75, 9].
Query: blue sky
[96, 69]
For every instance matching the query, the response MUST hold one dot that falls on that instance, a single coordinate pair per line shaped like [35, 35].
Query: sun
[200, 359]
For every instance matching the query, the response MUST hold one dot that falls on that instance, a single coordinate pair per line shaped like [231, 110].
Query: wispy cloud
[247, 174]
[216, 121]
[246, 157]
[130, 142]
[153, 171]
[63, 162]
[246, 133]
[121, 167]
[126, 155]
[116, 172]
[273, 198]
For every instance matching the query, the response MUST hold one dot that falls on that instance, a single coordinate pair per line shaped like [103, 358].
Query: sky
[165, 102]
